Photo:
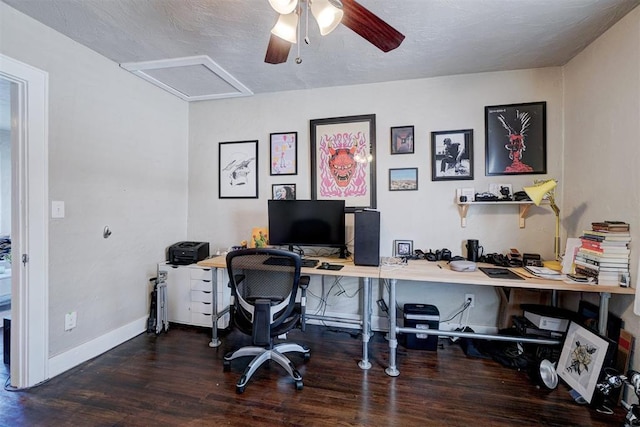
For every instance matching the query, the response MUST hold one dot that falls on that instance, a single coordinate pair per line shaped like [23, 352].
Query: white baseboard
[87, 351]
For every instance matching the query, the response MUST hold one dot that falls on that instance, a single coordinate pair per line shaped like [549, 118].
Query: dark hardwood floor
[176, 379]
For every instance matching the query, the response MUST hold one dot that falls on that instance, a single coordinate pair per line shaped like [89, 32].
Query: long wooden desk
[349, 270]
[439, 272]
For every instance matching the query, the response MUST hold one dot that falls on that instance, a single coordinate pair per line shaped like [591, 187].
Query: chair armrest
[303, 283]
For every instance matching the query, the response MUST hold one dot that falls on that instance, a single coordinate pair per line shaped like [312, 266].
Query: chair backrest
[265, 274]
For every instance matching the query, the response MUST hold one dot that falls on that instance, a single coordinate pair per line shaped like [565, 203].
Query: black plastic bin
[421, 316]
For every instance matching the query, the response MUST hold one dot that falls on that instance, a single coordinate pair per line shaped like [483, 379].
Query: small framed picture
[402, 140]
[284, 153]
[452, 155]
[283, 191]
[402, 248]
[404, 179]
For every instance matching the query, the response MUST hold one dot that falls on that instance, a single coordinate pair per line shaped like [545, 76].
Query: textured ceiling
[443, 37]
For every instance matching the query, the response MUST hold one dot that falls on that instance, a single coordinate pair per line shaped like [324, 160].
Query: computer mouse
[324, 265]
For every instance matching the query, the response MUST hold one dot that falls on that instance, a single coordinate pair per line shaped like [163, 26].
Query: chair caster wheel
[239, 389]
[299, 385]
[226, 366]
[306, 357]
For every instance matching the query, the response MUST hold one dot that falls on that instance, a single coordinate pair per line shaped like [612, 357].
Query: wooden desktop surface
[429, 271]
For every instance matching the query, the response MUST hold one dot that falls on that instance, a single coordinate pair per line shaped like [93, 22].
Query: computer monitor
[307, 223]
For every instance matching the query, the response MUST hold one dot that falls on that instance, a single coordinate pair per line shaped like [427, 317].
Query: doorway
[28, 88]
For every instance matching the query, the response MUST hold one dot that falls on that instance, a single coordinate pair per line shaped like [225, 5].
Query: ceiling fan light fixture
[287, 27]
[284, 7]
[327, 15]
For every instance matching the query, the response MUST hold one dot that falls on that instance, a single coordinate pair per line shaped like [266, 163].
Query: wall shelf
[523, 207]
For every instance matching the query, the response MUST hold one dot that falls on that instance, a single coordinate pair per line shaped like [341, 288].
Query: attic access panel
[194, 78]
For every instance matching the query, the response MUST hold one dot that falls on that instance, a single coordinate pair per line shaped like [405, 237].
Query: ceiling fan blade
[370, 27]
[277, 51]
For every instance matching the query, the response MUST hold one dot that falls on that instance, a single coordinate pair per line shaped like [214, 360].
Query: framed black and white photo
[238, 170]
[343, 160]
[452, 155]
[402, 248]
[283, 191]
[283, 153]
[403, 179]
[582, 359]
[402, 140]
[516, 139]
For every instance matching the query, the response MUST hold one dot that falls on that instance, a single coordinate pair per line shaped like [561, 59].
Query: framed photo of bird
[238, 170]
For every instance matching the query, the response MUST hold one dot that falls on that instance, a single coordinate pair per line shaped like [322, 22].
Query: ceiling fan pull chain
[298, 58]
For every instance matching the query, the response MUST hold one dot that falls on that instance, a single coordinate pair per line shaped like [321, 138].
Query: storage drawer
[201, 273]
[201, 296]
[201, 307]
[201, 285]
[201, 319]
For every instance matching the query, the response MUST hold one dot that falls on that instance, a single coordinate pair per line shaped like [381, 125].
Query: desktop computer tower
[366, 239]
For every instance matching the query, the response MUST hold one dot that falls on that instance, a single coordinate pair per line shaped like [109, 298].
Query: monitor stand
[343, 252]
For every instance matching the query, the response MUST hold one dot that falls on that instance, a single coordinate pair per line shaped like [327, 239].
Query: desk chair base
[261, 355]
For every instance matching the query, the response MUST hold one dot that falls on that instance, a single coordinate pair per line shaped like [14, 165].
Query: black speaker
[366, 239]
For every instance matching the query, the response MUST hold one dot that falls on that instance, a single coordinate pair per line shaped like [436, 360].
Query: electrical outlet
[70, 320]
[471, 297]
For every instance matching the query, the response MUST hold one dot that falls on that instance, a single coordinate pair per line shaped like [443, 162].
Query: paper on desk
[573, 244]
[545, 273]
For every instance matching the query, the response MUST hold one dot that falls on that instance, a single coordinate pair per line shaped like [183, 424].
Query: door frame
[29, 225]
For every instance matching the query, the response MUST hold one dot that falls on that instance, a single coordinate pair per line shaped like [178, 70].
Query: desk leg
[392, 370]
[215, 341]
[366, 323]
[603, 315]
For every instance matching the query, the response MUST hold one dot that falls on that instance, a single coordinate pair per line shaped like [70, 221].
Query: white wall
[602, 153]
[117, 158]
[428, 216]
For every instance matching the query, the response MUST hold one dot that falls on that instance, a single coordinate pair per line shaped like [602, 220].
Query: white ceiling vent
[193, 78]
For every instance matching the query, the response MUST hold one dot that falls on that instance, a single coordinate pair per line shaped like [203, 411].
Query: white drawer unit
[190, 294]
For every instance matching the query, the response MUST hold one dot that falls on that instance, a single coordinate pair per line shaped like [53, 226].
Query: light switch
[57, 209]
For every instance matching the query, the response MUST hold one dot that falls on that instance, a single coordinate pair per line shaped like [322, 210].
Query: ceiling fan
[329, 14]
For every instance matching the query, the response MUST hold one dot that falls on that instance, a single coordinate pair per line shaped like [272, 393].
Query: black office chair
[264, 285]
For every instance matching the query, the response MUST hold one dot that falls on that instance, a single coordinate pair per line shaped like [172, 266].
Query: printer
[184, 253]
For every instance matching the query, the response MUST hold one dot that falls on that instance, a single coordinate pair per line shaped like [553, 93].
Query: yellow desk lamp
[536, 193]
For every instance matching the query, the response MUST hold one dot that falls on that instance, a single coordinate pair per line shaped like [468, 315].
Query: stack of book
[604, 252]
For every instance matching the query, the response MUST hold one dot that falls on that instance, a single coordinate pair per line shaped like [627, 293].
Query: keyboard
[306, 262]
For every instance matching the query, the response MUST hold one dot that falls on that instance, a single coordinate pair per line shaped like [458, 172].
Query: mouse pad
[500, 273]
[331, 267]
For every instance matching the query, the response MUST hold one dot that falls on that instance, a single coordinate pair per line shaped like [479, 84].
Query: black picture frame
[283, 191]
[452, 155]
[238, 170]
[402, 248]
[402, 140]
[403, 179]
[283, 153]
[350, 144]
[516, 139]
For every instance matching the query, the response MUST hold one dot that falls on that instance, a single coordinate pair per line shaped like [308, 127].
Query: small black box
[421, 316]
[185, 253]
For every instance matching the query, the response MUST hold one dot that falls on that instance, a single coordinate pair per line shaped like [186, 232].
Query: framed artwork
[582, 359]
[402, 140]
[283, 191]
[238, 170]
[403, 179]
[343, 160]
[516, 139]
[283, 153]
[402, 248]
[452, 155]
